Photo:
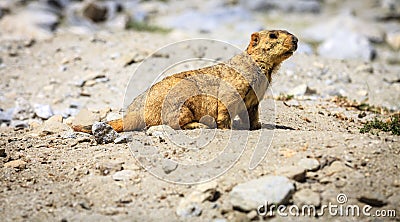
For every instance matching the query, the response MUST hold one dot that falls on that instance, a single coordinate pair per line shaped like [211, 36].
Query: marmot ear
[255, 39]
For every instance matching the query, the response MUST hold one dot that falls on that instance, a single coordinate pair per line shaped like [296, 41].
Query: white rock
[271, 189]
[124, 175]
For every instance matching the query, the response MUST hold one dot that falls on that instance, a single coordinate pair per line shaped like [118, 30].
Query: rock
[113, 116]
[103, 133]
[296, 173]
[3, 152]
[344, 44]
[306, 197]
[185, 209]
[309, 164]
[19, 124]
[6, 116]
[335, 167]
[95, 12]
[32, 22]
[169, 166]
[109, 167]
[271, 189]
[122, 139]
[393, 40]
[23, 110]
[43, 111]
[56, 118]
[124, 175]
[85, 118]
[345, 23]
[374, 199]
[53, 125]
[20, 164]
[301, 90]
[284, 5]
[189, 206]
[159, 130]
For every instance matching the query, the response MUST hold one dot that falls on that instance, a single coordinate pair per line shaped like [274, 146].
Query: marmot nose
[294, 41]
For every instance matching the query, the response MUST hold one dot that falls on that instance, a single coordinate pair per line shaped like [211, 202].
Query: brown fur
[221, 91]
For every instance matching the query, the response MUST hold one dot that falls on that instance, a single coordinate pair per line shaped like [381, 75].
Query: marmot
[222, 91]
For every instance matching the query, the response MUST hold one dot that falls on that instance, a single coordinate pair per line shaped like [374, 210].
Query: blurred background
[362, 29]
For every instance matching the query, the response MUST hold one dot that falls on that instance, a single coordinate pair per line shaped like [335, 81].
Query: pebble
[302, 90]
[20, 164]
[335, 167]
[306, 197]
[95, 12]
[393, 40]
[189, 206]
[250, 195]
[43, 111]
[6, 116]
[53, 125]
[86, 118]
[122, 139]
[344, 44]
[169, 166]
[296, 173]
[158, 130]
[374, 199]
[284, 5]
[18, 124]
[3, 152]
[103, 133]
[23, 110]
[124, 175]
[188, 209]
[309, 164]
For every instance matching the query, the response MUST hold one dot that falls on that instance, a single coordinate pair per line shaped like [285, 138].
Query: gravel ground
[315, 148]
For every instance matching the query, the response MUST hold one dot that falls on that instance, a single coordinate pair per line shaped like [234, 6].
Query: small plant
[284, 97]
[145, 27]
[390, 125]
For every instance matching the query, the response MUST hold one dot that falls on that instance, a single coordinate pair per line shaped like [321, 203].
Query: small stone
[124, 175]
[296, 173]
[106, 168]
[52, 126]
[307, 197]
[252, 215]
[113, 116]
[393, 39]
[374, 199]
[95, 12]
[23, 110]
[56, 118]
[103, 133]
[302, 90]
[122, 139]
[271, 189]
[158, 130]
[309, 164]
[86, 118]
[169, 166]
[335, 167]
[6, 116]
[188, 209]
[19, 124]
[43, 111]
[345, 44]
[20, 164]
[3, 152]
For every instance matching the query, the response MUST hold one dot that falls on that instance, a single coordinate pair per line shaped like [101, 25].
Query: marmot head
[270, 48]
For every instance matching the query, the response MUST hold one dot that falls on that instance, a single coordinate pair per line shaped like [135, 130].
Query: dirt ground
[66, 176]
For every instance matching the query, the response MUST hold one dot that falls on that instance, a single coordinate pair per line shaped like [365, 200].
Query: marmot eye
[273, 36]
